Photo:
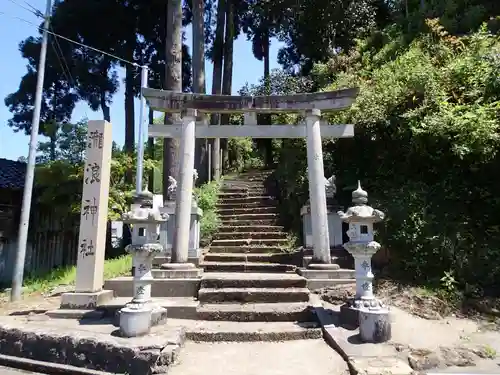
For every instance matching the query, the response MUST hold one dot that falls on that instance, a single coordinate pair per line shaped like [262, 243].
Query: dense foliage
[426, 149]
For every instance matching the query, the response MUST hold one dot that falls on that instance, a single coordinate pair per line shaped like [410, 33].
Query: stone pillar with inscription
[88, 292]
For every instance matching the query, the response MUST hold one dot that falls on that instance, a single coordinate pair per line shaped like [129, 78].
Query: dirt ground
[421, 303]
[429, 332]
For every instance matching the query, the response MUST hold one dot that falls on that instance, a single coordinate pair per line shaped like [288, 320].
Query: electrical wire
[33, 10]
[73, 41]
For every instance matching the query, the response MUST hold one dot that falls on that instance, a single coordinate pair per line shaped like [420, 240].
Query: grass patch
[41, 284]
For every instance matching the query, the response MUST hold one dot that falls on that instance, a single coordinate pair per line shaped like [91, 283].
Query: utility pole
[22, 240]
[142, 118]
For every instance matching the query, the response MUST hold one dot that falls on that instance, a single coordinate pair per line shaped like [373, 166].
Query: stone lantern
[334, 222]
[137, 317]
[364, 310]
[168, 228]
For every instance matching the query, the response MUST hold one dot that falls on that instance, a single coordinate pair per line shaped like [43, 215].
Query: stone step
[159, 273]
[248, 199]
[252, 280]
[232, 195]
[164, 258]
[256, 312]
[245, 222]
[177, 307]
[234, 190]
[253, 295]
[316, 284]
[123, 286]
[251, 235]
[242, 257]
[243, 183]
[225, 205]
[328, 274]
[250, 228]
[221, 331]
[224, 212]
[250, 241]
[247, 267]
[256, 249]
[249, 216]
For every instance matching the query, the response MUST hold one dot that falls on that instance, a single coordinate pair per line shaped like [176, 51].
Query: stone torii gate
[195, 105]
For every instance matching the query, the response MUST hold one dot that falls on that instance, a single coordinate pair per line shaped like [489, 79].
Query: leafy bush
[208, 197]
[425, 148]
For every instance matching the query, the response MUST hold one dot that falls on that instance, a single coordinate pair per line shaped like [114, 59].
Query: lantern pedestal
[138, 316]
[374, 325]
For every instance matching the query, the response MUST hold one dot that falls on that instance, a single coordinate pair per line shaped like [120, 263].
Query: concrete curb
[358, 365]
[45, 367]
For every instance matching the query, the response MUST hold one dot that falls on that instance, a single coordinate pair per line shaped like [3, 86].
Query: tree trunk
[217, 79]
[198, 64]
[267, 118]
[151, 150]
[227, 81]
[105, 108]
[53, 146]
[129, 117]
[173, 82]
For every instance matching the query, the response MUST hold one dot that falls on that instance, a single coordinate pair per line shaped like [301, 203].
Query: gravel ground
[302, 357]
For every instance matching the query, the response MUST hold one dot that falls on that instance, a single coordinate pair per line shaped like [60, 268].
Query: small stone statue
[172, 188]
[195, 177]
[330, 187]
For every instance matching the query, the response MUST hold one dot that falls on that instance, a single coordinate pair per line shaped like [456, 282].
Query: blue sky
[13, 67]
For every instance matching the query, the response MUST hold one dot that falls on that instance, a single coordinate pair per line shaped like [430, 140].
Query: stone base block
[161, 259]
[349, 315]
[177, 271]
[177, 266]
[135, 321]
[374, 325]
[332, 272]
[85, 301]
[315, 284]
[75, 314]
[132, 324]
[180, 287]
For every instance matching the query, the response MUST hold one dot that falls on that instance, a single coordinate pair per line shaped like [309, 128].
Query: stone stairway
[247, 277]
[249, 238]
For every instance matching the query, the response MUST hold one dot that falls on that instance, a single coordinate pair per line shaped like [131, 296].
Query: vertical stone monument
[334, 222]
[364, 310]
[168, 228]
[137, 317]
[93, 219]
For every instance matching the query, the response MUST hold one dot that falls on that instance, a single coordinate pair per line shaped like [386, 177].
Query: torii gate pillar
[317, 194]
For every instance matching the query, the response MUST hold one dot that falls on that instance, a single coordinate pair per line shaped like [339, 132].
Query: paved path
[301, 357]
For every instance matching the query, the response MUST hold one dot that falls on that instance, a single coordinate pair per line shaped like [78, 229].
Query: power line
[62, 60]
[73, 41]
[33, 10]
